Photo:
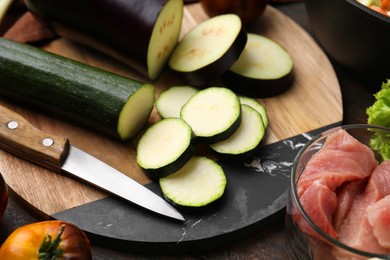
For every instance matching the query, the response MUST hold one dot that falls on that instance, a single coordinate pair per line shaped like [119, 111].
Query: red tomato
[3, 196]
[247, 10]
[51, 239]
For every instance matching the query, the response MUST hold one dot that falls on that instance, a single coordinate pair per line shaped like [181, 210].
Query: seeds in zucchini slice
[170, 101]
[209, 49]
[165, 147]
[263, 69]
[257, 106]
[247, 137]
[200, 182]
[213, 114]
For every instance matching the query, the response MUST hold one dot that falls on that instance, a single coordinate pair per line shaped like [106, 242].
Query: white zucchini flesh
[263, 58]
[205, 43]
[257, 106]
[165, 36]
[247, 137]
[170, 101]
[142, 101]
[200, 182]
[163, 143]
[212, 111]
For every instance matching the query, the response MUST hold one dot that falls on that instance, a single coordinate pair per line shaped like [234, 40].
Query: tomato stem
[50, 248]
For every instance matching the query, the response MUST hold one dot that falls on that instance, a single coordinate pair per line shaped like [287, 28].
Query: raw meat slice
[343, 141]
[356, 230]
[333, 168]
[319, 202]
[346, 195]
[380, 179]
[337, 185]
[378, 215]
[342, 158]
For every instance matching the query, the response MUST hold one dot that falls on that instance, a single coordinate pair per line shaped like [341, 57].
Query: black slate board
[256, 195]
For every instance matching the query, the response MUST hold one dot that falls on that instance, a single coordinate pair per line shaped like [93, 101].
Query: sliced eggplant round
[209, 49]
[170, 101]
[247, 137]
[213, 113]
[200, 182]
[165, 147]
[254, 103]
[142, 34]
[264, 69]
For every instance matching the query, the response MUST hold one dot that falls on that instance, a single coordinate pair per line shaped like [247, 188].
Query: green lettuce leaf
[379, 114]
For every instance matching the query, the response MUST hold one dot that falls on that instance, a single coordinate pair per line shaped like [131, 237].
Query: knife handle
[22, 139]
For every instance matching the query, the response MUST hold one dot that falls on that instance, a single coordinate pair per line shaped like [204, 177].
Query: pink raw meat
[380, 179]
[346, 195]
[356, 230]
[319, 202]
[333, 168]
[378, 215]
[342, 158]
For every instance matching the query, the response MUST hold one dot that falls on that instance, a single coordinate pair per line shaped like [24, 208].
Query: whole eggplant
[140, 33]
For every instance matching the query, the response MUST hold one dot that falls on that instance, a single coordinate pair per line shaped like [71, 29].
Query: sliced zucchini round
[170, 101]
[247, 137]
[200, 182]
[209, 49]
[164, 147]
[213, 113]
[264, 69]
[257, 106]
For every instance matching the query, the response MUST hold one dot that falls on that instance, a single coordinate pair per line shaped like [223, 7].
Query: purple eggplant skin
[202, 76]
[120, 28]
[257, 88]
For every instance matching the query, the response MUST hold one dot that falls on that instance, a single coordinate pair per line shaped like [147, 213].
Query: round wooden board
[313, 101]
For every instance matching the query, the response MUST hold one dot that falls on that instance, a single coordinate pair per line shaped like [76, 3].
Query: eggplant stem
[4, 5]
[50, 248]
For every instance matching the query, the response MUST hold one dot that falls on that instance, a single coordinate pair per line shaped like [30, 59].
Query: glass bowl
[306, 237]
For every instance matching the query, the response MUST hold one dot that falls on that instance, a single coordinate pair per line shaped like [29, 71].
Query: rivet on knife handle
[21, 138]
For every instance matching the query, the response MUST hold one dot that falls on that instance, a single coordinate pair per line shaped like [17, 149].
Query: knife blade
[21, 138]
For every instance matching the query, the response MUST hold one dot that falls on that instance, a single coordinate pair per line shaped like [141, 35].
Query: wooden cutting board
[314, 101]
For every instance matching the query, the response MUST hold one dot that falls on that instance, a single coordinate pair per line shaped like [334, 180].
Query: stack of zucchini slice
[214, 117]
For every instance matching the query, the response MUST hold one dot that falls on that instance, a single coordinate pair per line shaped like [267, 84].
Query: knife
[21, 138]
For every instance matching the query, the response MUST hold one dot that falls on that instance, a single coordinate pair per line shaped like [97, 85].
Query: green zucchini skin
[89, 95]
[237, 147]
[120, 28]
[165, 147]
[156, 174]
[211, 104]
[199, 183]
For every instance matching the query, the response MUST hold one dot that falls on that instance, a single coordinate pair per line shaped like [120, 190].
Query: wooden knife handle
[22, 139]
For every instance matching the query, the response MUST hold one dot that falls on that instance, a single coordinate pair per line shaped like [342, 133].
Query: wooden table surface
[266, 244]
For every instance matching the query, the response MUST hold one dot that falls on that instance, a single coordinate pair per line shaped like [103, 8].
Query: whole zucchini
[108, 102]
[141, 33]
